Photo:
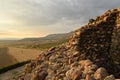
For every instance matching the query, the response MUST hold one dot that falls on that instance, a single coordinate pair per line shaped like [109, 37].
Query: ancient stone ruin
[92, 53]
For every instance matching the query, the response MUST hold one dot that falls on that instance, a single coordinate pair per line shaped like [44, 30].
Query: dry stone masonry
[92, 53]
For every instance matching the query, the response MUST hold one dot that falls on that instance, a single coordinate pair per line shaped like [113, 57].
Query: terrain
[92, 53]
[38, 43]
[9, 75]
[12, 55]
[13, 51]
[5, 58]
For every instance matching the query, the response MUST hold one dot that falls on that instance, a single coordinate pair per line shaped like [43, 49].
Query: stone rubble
[92, 53]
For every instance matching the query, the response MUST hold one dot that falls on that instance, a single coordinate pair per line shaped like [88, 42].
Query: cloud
[51, 16]
[47, 12]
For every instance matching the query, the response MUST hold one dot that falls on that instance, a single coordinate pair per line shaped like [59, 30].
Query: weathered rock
[39, 75]
[28, 68]
[75, 54]
[69, 72]
[111, 77]
[52, 48]
[27, 77]
[88, 77]
[76, 75]
[100, 74]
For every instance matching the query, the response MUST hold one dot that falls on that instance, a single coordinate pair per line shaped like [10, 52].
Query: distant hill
[40, 42]
[51, 37]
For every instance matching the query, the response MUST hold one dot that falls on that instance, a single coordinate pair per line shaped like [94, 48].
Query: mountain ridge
[49, 37]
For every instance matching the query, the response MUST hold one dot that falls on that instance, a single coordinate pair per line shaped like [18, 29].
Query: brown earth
[5, 58]
[12, 55]
[23, 54]
[12, 73]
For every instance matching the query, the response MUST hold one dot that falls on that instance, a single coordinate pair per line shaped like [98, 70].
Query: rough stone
[76, 75]
[100, 74]
[111, 77]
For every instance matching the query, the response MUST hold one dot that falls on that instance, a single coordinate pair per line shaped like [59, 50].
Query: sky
[37, 18]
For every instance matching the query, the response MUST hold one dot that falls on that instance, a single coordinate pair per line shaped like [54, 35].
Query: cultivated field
[21, 54]
[12, 51]
[5, 58]
[12, 55]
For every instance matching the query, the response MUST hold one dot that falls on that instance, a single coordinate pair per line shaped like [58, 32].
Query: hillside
[51, 37]
[92, 53]
[46, 42]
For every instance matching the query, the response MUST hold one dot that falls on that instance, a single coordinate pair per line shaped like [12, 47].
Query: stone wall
[99, 41]
[90, 48]
[115, 46]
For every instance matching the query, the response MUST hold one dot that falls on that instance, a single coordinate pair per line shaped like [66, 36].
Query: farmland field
[12, 51]
[23, 54]
[12, 55]
[5, 58]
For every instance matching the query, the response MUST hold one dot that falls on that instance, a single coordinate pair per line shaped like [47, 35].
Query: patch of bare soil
[12, 73]
[21, 54]
[5, 58]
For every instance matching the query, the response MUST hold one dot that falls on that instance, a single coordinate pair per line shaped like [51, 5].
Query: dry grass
[5, 58]
[12, 55]
[23, 54]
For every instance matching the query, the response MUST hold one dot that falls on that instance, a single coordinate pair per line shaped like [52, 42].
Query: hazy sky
[35, 18]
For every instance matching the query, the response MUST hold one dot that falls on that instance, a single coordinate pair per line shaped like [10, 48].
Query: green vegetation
[19, 64]
[43, 46]
[46, 45]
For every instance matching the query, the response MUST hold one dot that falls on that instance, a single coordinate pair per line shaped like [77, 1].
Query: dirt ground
[23, 54]
[5, 58]
[12, 73]
[11, 55]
